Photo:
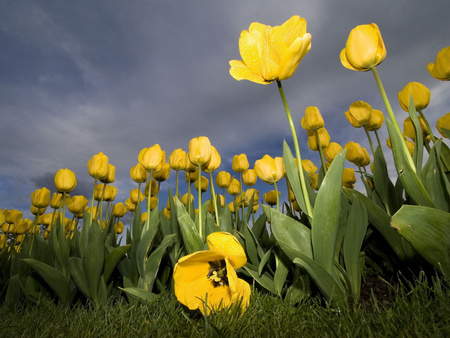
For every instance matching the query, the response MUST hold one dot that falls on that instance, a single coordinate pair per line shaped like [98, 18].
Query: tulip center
[218, 273]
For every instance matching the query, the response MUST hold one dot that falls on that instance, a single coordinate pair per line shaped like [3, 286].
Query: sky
[114, 76]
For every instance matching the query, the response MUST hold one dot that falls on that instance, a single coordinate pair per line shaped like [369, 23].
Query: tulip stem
[199, 180]
[297, 153]
[92, 203]
[322, 158]
[278, 197]
[393, 119]
[149, 198]
[213, 195]
[370, 140]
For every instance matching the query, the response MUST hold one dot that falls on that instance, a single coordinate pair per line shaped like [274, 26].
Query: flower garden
[223, 241]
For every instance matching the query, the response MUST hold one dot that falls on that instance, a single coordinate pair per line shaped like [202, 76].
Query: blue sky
[80, 77]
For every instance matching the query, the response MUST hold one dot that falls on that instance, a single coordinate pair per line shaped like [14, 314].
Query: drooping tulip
[376, 120]
[359, 114]
[324, 138]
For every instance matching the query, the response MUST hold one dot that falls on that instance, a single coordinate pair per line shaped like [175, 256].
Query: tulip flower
[138, 173]
[223, 179]
[77, 204]
[154, 188]
[200, 150]
[269, 169]
[376, 120]
[348, 178]
[40, 198]
[234, 188]
[162, 174]
[184, 199]
[177, 159]
[249, 177]
[332, 150]
[271, 197]
[440, 69]
[55, 202]
[364, 48]
[313, 119]
[110, 175]
[214, 161]
[359, 114]
[130, 205]
[324, 138]
[203, 184]
[421, 96]
[271, 53]
[98, 166]
[240, 163]
[309, 167]
[65, 180]
[37, 211]
[443, 123]
[118, 228]
[355, 154]
[153, 158]
[209, 276]
[410, 131]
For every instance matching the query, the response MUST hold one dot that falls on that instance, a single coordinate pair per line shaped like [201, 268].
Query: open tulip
[420, 93]
[313, 119]
[200, 150]
[209, 276]
[40, 198]
[98, 166]
[269, 169]
[440, 69]
[65, 180]
[359, 114]
[364, 48]
[271, 53]
[443, 123]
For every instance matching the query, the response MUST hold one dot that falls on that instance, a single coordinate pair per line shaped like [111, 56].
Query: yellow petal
[250, 45]
[227, 245]
[362, 46]
[292, 29]
[292, 56]
[242, 294]
[240, 72]
[345, 62]
[194, 266]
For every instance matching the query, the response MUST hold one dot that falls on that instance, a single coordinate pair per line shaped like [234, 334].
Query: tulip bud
[234, 188]
[359, 114]
[410, 131]
[204, 184]
[154, 189]
[37, 211]
[270, 170]
[376, 120]
[332, 150]
[2, 217]
[138, 173]
[130, 205]
[184, 199]
[355, 153]
[223, 179]
[249, 177]
[443, 123]
[324, 138]
[56, 200]
[271, 197]
[309, 167]
[214, 161]
[98, 166]
[200, 150]
[118, 228]
[348, 178]
[77, 204]
[189, 166]
[153, 158]
[364, 48]
[313, 119]
[440, 69]
[40, 198]
[421, 96]
[65, 180]
[240, 163]
[177, 159]
[162, 174]
[134, 196]
[110, 175]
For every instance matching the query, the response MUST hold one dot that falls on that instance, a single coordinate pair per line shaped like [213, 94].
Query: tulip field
[224, 248]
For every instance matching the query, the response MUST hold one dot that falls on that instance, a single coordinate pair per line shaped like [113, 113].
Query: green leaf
[53, 277]
[78, 274]
[112, 259]
[428, 231]
[250, 244]
[93, 260]
[283, 265]
[325, 222]
[292, 236]
[144, 246]
[142, 295]
[264, 260]
[418, 144]
[264, 280]
[383, 185]
[191, 238]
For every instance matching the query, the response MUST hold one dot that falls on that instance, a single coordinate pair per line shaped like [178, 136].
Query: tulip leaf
[383, 185]
[144, 247]
[406, 173]
[264, 260]
[330, 289]
[292, 236]
[355, 230]
[435, 179]
[418, 144]
[93, 260]
[142, 295]
[191, 237]
[225, 220]
[325, 223]
[78, 274]
[428, 231]
[264, 280]
[53, 277]
[112, 258]
[250, 244]
[281, 272]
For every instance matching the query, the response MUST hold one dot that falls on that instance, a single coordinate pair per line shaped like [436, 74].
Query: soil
[382, 291]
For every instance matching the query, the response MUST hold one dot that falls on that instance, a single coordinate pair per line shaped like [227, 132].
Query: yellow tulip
[324, 139]
[313, 119]
[138, 173]
[203, 185]
[153, 158]
[2, 217]
[223, 179]
[162, 174]
[409, 130]
[189, 166]
[130, 205]
[177, 159]
[348, 178]
[191, 176]
[269, 169]
[271, 197]
[309, 167]
[440, 69]
[37, 211]
[110, 193]
[355, 153]
[234, 188]
[184, 199]
[240, 163]
[55, 202]
[134, 196]
[364, 48]
[3, 242]
[359, 114]
[118, 228]
[214, 161]
[443, 123]
[154, 188]
[65, 180]
[271, 53]
[110, 175]
[40, 198]
[410, 146]
[376, 120]
[210, 275]
[315, 181]
[421, 96]
[200, 150]
[12, 216]
[98, 166]
[249, 177]
[77, 204]
[332, 150]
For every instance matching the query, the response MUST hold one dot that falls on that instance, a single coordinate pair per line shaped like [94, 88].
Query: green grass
[419, 310]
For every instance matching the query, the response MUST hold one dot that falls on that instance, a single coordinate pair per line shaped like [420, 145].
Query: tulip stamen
[218, 273]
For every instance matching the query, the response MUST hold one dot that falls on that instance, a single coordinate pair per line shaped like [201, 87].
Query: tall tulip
[200, 150]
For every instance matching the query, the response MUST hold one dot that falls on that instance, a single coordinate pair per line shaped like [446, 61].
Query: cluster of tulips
[321, 239]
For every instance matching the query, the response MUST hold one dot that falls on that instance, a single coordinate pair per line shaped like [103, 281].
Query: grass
[421, 309]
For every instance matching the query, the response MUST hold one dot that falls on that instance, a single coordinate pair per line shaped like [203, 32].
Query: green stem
[213, 196]
[278, 197]
[149, 197]
[430, 132]
[242, 195]
[92, 202]
[393, 119]
[297, 152]
[322, 157]
[199, 180]
[370, 141]
[176, 186]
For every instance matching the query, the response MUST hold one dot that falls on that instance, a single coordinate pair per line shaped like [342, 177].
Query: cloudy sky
[82, 77]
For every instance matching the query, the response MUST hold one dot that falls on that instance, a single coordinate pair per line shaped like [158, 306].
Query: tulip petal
[250, 46]
[240, 71]
[227, 245]
[242, 294]
[361, 47]
[292, 29]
